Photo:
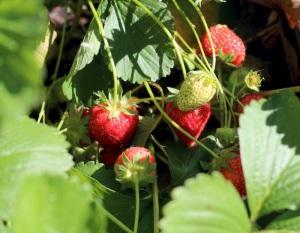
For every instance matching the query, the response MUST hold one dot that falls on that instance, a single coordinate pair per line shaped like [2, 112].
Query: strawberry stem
[167, 32]
[208, 33]
[192, 26]
[137, 203]
[108, 51]
[116, 221]
[42, 113]
[276, 91]
[61, 46]
[201, 65]
[174, 124]
[155, 208]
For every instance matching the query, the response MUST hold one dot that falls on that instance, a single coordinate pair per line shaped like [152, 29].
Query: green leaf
[93, 78]
[286, 117]
[56, 204]
[89, 46]
[139, 47]
[206, 204]
[22, 24]
[145, 127]
[28, 148]
[119, 203]
[266, 144]
[278, 231]
[286, 221]
[183, 163]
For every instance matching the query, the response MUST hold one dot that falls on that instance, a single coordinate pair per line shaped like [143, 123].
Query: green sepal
[141, 169]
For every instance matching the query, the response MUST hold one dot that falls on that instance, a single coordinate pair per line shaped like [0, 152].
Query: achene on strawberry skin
[227, 44]
[112, 132]
[193, 121]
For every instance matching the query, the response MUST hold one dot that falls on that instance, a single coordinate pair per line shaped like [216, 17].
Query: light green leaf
[287, 221]
[267, 156]
[139, 47]
[28, 148]
[55, 204]
[22, 24]
[206, 204]
[278, 231]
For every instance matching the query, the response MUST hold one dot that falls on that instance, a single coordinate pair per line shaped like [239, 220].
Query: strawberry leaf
[268, 135]
[21, 28]
[206, 204]
[26, 150]
[119, 203]
[139, 47]
[56, 204]
[287, 221]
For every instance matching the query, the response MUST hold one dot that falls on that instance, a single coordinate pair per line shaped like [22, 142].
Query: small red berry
[246, 100]
[227, 44]
[193, 121]
[234, 173]
[135, 164]
[108, 157]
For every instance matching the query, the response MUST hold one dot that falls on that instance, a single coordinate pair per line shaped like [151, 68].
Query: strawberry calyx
[124, 104]
[135, 164]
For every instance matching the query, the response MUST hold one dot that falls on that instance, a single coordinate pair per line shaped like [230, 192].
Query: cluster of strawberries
[114, 127]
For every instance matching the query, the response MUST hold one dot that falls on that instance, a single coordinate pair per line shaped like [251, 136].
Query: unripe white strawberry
[197, 89]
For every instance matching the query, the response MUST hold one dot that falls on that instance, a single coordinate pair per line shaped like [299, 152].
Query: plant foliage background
[43, 188]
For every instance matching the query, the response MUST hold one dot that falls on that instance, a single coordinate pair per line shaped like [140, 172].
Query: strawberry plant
[149, 116]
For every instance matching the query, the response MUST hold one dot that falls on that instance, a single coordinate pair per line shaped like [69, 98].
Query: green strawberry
[197, 89]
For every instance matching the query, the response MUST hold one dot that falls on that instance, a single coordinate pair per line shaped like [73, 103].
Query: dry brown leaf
[292, 11]
[290, 7]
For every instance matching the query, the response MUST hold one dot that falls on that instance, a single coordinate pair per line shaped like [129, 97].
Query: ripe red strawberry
[193, 121]
[135, 164]
[112, 129]
[246, 100]
[229, 46]
[108, 157]
[85, 112]
[234, 173]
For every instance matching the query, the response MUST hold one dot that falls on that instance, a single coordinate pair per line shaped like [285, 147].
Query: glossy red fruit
[193, 121]
[111, 132]
[108, 157]
[85, 112]
[135, 164]
[246, 100]
[234, 173]
[227, 44]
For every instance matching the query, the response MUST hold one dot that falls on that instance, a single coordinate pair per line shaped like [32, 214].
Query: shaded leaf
[119, 203]
[139, 47]
[286, 221]
[145, 127]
